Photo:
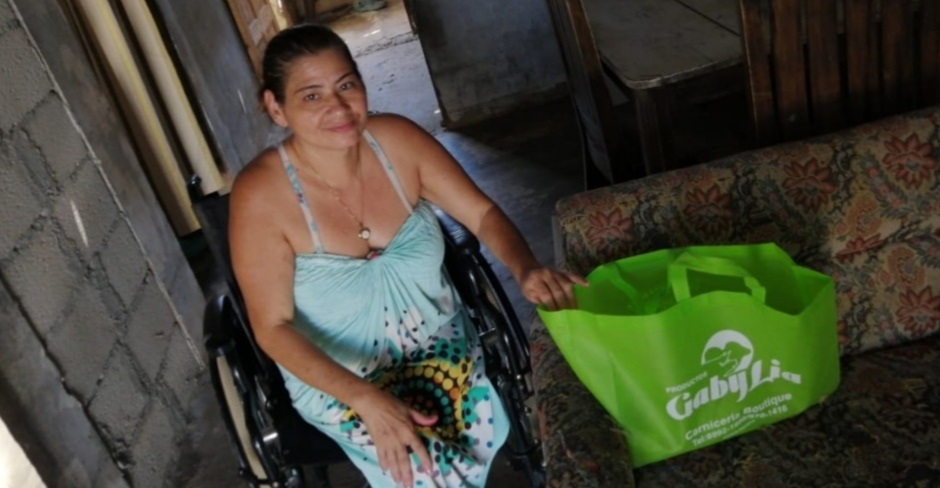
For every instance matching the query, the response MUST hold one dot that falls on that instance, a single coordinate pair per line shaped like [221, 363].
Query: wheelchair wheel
[236, 411]
[258, 460]
[507, 362]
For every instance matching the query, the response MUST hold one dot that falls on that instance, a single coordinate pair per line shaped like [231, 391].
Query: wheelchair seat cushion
[397, 321]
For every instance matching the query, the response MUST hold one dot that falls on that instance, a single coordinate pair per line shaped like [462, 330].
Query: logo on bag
[728, 357]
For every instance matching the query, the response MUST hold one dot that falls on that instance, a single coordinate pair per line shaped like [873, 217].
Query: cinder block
[54, 132]
[41, 277]
[75, 474]
[124, 262]
[154, 449]
[19, 206]
[86, 209]
[23, 79]
[82, 342]
[27, 155]
[186, 295]
[181, 370]
[109, 476]
[31, 386]
[149, 328]
[7, 18]
[120, 398]
[15, 345]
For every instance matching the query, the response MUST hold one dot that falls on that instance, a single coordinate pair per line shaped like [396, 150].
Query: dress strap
[389, 170]
[301, 197]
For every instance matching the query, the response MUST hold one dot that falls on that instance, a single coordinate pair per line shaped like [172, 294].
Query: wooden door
[258, 22]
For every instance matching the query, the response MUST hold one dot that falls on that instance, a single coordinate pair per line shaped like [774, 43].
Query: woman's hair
[293, 43]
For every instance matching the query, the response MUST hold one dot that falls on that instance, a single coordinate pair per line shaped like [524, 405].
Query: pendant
[365, 233]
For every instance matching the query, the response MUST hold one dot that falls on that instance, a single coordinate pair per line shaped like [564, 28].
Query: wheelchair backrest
[463, 261]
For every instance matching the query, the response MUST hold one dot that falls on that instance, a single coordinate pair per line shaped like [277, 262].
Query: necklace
[364, 232]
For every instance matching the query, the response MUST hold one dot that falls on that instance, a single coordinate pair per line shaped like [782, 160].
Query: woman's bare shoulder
[259, 180]
[395, 129]
[402, 139]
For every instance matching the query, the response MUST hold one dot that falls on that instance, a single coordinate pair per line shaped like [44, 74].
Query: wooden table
[649, 46]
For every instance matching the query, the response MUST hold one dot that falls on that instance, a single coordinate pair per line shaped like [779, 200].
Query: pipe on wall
[156, 152]
[171, 90]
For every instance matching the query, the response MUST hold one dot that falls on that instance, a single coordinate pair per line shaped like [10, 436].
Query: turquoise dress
[396, 320]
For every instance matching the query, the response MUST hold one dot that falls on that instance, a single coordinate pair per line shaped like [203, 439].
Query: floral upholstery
[861, 205]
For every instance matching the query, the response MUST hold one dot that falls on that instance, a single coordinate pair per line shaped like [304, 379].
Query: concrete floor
[525, 161]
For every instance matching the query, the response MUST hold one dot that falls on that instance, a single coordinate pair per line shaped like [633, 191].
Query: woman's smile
[344, 128]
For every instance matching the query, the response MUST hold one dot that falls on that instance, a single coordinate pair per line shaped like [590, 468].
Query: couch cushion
[840, 198]
[880, 428]
[887, 295]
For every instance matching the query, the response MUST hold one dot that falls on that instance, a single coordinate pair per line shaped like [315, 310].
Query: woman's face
[324, 101]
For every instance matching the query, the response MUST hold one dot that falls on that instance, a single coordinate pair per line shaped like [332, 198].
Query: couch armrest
[583, 445]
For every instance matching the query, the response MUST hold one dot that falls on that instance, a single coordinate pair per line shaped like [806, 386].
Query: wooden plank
[605, 144]
[876, 105]
[649, 43]
[257, 5]
[722, 12]
[823, 51]
[261, 22]
[242, 8]
[858, 58]
[896, 55]
[908, 83]
[930, 52]
[789, 69]
[310, 11]
[654, 122]
[760, 92]
[239, 9]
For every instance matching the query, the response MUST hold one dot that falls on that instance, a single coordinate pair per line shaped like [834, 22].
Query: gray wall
[219, 73]
[97, 367]
[488, 57]
[91, 106]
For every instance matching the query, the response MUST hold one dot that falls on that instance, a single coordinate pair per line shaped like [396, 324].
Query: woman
[338, 256]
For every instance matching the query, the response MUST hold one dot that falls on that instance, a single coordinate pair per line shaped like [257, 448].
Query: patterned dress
[397, 321]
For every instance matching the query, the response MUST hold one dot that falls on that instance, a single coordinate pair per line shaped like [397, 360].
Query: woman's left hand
[551, 288]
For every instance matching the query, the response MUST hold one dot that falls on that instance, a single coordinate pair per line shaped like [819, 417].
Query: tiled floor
[525, 162]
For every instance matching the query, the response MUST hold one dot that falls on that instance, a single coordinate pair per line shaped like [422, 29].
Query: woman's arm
[263, 261]
[443, 182]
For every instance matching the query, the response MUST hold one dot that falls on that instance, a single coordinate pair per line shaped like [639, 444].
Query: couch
[862, 206]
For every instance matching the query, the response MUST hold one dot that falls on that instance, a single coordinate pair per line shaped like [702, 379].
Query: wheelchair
[275, 446]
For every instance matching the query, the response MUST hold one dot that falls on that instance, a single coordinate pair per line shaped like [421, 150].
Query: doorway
[383, 41]
[392, 63]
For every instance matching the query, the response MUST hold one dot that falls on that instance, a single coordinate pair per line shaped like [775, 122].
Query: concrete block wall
[96, 367]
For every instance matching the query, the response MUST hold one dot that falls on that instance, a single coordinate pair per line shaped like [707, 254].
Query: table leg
[654, 121]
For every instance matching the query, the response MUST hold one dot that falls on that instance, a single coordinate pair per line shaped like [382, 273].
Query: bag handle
[679, 277]
[642, 303]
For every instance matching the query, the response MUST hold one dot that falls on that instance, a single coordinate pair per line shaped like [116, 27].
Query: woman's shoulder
[394, 127]
[398, 134]
[257, 181]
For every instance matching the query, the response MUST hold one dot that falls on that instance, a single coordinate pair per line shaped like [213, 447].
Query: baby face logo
[730, 350]
[728, 357]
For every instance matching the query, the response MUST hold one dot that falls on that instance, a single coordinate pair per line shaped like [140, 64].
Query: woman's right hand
[393, 427]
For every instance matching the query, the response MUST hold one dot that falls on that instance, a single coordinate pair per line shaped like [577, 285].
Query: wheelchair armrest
[216, 331]
[465, 243]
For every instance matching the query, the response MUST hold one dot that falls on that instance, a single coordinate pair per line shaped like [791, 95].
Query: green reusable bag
[688, 347]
